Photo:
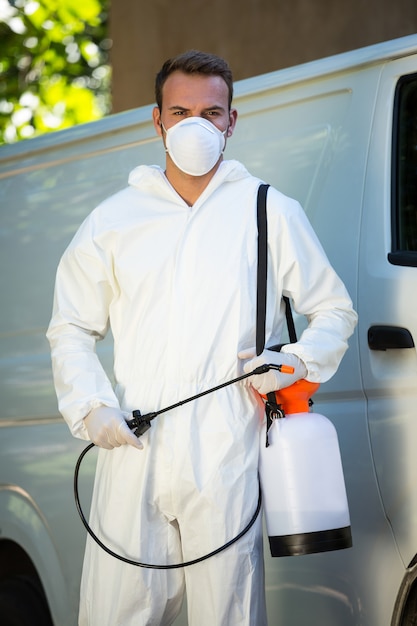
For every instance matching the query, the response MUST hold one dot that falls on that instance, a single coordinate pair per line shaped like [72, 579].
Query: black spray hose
[142, 423]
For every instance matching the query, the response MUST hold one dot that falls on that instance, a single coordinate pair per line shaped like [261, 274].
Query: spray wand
[142, 423]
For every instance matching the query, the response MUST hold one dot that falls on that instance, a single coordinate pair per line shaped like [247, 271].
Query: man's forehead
[183, 89]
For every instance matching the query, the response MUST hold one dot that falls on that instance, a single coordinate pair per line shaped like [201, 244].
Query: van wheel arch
[405, 611]
[22, 598]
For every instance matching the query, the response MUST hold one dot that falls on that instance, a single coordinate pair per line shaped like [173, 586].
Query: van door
[387, 299]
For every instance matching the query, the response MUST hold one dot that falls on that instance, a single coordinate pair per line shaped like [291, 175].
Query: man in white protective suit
[170, 264]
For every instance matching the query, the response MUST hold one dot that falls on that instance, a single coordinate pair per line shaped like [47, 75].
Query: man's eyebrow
[214, 107]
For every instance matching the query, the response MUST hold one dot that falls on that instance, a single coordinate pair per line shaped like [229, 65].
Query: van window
[404, 173]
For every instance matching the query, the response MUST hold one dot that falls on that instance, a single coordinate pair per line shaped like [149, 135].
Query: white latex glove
[107, 428]
[273, 379]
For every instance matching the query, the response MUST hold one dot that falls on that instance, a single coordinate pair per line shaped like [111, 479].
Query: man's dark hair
[194, 62]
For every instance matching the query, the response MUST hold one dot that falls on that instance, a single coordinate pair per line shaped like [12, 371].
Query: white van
[340, 135]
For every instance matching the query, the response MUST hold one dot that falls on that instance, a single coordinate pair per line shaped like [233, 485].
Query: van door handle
[389, 338]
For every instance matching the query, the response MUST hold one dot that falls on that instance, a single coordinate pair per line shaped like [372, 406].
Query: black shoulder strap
[290, 320]
[263, 274]
[262, 268]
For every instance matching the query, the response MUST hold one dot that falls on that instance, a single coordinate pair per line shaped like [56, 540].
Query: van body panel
[387, 297]
[323, 134]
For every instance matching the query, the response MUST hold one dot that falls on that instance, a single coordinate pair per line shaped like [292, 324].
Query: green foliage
[54, 70]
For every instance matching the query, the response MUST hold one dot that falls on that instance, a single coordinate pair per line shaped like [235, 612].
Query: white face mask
[195, 145]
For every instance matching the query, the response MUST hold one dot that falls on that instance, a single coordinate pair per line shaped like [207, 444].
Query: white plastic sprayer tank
[304, 494]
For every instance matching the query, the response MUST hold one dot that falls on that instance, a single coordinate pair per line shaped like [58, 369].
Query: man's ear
[232, 122]
[157, 122]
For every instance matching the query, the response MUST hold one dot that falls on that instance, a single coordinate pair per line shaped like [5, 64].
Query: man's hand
[273, 379]
[107, 428]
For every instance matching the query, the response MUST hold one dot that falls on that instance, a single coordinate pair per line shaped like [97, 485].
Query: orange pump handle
[295, 398]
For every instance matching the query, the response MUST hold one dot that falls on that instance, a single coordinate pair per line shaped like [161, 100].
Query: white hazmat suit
[178, 287]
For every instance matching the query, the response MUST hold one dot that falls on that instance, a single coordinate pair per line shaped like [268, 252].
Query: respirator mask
[195, 145]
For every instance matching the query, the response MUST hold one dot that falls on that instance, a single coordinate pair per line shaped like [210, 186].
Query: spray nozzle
[262, 369]
[140, 422]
